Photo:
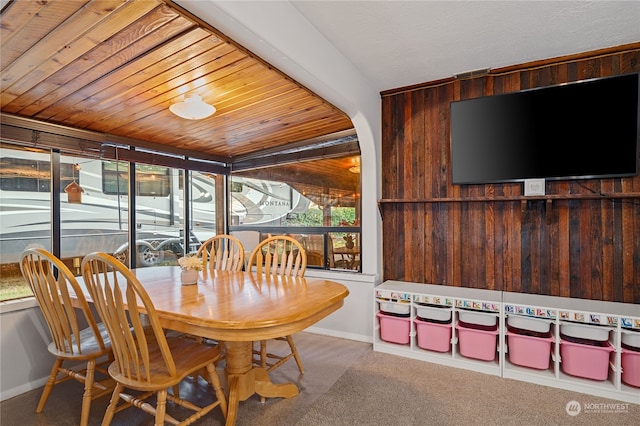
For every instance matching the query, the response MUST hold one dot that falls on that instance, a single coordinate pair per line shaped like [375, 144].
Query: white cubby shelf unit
[455, 299]
[405, 300]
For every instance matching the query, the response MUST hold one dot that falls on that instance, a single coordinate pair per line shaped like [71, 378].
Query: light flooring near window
[346, 383]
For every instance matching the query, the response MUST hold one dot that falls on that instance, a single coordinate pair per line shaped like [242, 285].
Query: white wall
[25, 361]
[354, 320]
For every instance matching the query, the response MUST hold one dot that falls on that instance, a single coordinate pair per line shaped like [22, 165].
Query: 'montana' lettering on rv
[274, 203]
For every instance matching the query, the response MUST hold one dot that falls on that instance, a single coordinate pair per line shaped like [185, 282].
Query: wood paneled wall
[573, 243]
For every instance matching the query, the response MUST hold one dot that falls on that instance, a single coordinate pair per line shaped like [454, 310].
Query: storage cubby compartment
[394, 329]
[477, 334]
[433, 327]
[529, 341]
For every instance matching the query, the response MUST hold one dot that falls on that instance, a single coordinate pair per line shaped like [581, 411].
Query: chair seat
[189, 356]
[90, 345]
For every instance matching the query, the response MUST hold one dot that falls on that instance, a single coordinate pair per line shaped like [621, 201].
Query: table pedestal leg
[239, 366]
[245, 380]
[266, 389]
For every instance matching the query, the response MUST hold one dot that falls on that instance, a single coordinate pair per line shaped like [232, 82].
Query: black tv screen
[583, 130]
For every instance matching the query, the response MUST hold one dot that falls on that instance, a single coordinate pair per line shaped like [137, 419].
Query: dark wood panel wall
[565, 245]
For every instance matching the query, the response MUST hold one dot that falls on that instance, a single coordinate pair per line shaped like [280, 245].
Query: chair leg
[88, 389]
[217, 387]
[223, 348]
[263, 362]
[49, 385]
[294, 350]
[161, 407]
[263, 353]
[113, 403]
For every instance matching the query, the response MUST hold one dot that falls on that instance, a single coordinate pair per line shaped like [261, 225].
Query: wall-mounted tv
[583, 130]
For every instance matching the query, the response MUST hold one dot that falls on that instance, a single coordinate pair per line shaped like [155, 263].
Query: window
[202, 206]
[31, 174]
[100, 221]
[25, 214]
[151, 181]
[317, 202]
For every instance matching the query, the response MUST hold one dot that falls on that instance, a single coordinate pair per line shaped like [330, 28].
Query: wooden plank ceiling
[115, 67]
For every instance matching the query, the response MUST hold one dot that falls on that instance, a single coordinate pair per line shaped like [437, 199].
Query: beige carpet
[383, 389]
[346, 383]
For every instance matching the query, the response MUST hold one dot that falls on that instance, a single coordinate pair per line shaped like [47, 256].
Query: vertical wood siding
[580, 248]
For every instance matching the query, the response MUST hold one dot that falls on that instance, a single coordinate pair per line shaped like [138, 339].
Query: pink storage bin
[630, 362]
[433, 336]
[529, 351]
[590, 362]
[477, 344]
[394, 329]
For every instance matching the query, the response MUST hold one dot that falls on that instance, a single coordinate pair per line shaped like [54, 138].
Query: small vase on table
[189, 276]
[190, 266]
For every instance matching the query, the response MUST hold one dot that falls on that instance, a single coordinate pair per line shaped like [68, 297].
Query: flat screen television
[583, 130]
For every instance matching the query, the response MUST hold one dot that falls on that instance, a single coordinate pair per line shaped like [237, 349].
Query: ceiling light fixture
[192, 108]
[356, 165]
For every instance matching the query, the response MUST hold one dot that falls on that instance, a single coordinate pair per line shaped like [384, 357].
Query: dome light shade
[355, 169]
[192, 108]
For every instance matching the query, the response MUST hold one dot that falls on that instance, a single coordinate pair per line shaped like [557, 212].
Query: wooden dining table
[239, 308]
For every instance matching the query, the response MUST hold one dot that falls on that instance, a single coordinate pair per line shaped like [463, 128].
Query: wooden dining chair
[145, 359]
[285, 256]
[222, 253]
[77, 338]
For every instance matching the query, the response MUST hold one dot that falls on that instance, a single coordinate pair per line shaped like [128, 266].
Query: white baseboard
[340, 334]
[26, 387]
